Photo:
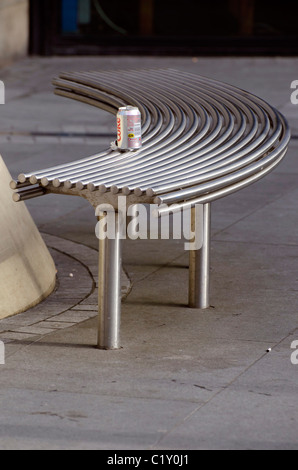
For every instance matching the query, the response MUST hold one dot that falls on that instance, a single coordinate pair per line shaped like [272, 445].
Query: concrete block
[14, 29]
[27, 271]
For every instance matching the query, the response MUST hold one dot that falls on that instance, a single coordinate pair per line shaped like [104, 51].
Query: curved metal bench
[202, 140]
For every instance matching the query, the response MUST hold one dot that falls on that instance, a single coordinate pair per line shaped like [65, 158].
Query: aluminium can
[129, 128]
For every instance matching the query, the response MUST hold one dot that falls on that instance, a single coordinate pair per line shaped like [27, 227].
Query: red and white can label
[134, 132]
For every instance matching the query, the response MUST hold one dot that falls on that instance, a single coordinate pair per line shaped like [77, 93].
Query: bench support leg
[109, 290]
[199, 266]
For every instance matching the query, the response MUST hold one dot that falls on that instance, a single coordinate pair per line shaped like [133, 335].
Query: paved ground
[184, 379]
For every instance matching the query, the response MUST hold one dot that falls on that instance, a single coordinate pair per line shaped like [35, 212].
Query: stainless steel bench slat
[200, 130]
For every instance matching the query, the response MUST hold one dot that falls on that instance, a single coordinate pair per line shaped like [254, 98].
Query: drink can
[129, 128]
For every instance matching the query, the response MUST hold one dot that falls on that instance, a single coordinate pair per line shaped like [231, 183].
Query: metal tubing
[29, 194]
[206, 137]
[17, 185]
[109, 289]
[199, 263]
[220, 193]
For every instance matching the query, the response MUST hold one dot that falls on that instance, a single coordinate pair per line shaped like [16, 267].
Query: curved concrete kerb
[27, 270]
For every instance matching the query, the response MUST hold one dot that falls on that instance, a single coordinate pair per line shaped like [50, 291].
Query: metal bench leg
[199, 266]
[109, 290]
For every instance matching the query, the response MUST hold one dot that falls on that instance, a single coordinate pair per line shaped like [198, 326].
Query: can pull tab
[114, 145]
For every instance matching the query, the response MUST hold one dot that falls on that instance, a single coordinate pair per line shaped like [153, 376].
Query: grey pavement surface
[184, 379]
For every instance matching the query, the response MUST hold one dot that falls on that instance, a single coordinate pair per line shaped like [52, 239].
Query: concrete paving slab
[263, 400]
[195, 371]
[170, 362]
[289, 165]
[275, 375]
[91, 300]
[86, 255]
[35, 330]
[17, 336]
[44, 422]
[263, 423]
[76, 316]
[274, 223]
[40, 155]
[84, 308]
[53, 325]
[241, 205]
[78, 225]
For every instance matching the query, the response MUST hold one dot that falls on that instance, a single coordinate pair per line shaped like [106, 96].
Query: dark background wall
[186, 27]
